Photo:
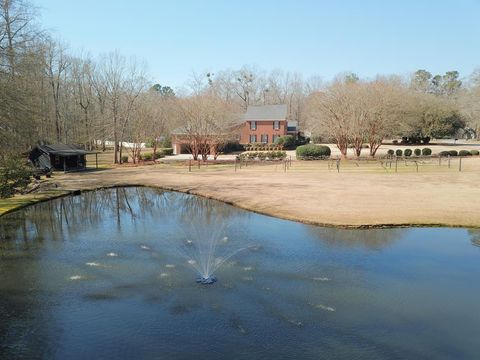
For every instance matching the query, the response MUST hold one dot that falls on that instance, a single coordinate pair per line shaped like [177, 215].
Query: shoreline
[39, 197]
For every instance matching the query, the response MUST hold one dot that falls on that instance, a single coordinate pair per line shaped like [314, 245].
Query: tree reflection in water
[368, 238]
[474, 237]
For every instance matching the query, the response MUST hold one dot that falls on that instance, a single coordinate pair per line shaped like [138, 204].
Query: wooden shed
[58, 157]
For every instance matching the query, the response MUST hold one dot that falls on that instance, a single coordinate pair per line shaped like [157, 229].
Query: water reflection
[103, 275]
[368, 238]
[474, 236]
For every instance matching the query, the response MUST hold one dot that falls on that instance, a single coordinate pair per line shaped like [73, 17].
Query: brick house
[266, 123]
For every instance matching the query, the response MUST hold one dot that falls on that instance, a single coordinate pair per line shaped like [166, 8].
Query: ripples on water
[111, 274]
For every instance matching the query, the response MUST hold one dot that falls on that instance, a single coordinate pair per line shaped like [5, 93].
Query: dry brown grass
[364, 194]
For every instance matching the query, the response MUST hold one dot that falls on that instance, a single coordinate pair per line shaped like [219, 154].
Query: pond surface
[110, 274]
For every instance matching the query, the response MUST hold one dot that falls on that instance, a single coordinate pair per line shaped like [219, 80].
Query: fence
[392, 164]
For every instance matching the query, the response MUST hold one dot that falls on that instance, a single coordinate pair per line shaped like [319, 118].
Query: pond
[112, 274]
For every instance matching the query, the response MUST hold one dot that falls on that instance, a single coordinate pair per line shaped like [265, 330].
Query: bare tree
[208, 123]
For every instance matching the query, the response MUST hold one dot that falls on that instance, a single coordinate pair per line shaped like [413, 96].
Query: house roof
[266, 112]
[62, 149]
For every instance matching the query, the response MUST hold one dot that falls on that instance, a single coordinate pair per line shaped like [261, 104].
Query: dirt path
[309, 194]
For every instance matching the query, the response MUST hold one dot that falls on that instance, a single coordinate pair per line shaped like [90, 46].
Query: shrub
[311, 151]
[453, 153]
[465, 153]
[390, 152]
[426, 151]
[252, 155]
[444, 153]
[124, 159]
[159, 155]
[281, 155]
[262, 155]
[146, 157]
[408, 152]
[475, 152]
[166, 151]
[14, 174]
[231, 146]
[399, 152]
[395, 142]
[288, 141]
[417, 152]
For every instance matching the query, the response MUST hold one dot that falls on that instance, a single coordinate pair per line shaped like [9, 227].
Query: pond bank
[326, 198]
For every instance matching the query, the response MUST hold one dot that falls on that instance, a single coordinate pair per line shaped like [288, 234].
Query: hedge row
[263, 147]
[408, 152]
[312, 152]
[263, 155]
[459, 153]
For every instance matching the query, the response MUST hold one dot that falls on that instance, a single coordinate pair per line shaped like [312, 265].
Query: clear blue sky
[368, 37]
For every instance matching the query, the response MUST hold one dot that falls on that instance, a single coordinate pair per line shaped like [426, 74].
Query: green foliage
[166, 151]
[124, 159]
[146, 157]
[475, 152]
[14, 175]
[263, 155]
[390, 152]
[453, 153]
[164, 91]
[399, 152]
[464, 153]
[417, 152]
[444, 153]
[232, 146]
[426, 151]
[263, 147]
[408, 152]
[288, 141]
[311, 152]
[159, 155]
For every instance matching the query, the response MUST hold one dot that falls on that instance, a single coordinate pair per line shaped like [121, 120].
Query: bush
[124, 159]
[408, 152]
[262, 155]
[310, 151]
[159, 155]
[426, 151]
[281, 155]
[230, 147]
[146, 157]
[166, 151]
[417, 152]
[444, 153]
[390, 152]
[14, 175]
[475, 152]
[453, 153]
[395, 142]
[465, 153]
[288, 141]
[399, 152]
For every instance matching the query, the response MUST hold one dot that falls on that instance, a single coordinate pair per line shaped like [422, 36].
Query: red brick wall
[263, 128]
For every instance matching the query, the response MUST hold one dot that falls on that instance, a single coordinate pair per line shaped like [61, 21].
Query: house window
[276, 125]
[253, 138]
[275, 137]
[253, 125]
[265, 138]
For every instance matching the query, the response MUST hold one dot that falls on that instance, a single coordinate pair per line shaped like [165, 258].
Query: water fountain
[206, 248]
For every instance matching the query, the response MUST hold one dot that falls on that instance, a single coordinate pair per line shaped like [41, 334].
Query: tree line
[49, 95]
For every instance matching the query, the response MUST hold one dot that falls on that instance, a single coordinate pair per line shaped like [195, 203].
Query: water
[106, 275]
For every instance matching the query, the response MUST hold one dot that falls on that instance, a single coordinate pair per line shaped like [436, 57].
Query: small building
[63, 157]
[266, 123]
